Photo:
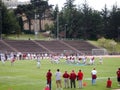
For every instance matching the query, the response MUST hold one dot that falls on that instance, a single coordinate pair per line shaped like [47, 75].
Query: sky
[96, 4]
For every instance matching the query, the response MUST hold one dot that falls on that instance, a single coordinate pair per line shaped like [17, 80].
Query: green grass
[40, 36]
[109, 49]
[24, 75]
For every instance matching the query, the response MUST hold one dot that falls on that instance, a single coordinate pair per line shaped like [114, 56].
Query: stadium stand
[51, 46]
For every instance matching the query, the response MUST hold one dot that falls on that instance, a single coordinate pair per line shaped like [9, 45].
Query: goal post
[99, 52]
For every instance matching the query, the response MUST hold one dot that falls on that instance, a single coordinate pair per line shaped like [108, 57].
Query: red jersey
[109, 83]
[47, 88]
[66, 75]
[80, 75]
[118, 73]
[49, 75]
[73, 76]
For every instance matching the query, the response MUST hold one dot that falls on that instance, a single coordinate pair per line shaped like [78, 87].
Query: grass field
[25, 75]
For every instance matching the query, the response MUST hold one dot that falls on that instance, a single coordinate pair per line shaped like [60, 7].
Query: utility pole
[1, 23]
[36, 26]
[57, 25]
[65, 31]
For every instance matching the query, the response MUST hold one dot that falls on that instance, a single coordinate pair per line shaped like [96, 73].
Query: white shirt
[58, 75]
[94, 72]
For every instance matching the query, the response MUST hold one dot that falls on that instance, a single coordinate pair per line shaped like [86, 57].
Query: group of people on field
[54, 58]
[70, 79]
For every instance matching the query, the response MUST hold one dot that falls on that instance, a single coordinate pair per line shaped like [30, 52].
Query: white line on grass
[100, 78]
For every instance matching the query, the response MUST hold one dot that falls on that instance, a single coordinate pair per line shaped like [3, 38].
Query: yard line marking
[100, 78]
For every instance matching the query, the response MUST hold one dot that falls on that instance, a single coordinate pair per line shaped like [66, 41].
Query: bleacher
[83, 46]
[41, 46]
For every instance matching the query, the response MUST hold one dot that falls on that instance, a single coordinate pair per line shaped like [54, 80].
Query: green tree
[40, 6]
[68, 11]
[105, 19]
[9, 21]
[90, 21]
[54, 15]
[114, 31]
[26, 10]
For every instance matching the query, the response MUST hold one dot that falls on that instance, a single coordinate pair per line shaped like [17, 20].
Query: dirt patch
[115, 89]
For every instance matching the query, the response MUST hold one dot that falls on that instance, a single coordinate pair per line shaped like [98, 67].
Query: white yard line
[100, 78]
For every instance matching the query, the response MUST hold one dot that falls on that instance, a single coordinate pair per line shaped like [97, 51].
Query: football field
[24, 74]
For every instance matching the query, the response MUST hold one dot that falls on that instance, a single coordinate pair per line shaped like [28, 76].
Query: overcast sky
[96, 4]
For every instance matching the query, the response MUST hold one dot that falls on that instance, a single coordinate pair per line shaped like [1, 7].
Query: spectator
[109, 83]
[118, 76]
[48, 76]
[58, 75]
[47, 87]
[66, 79]
[94, 76]
[72, 79]
[80, 78]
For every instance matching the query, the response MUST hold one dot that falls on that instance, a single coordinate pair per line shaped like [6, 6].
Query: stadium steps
[25, 46]
[12, 48]
[73, 48]
[83, 46]
[55, 46]
[42, 46]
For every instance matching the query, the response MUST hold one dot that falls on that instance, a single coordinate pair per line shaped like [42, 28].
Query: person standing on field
[66, 79]
[80, 78]
[49, 76]
[38, 62]
[94, 76]
[100, 60]
[72, 79]
[118, 76]
[58, 75]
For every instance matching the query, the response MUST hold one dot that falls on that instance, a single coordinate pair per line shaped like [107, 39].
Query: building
[13, 3]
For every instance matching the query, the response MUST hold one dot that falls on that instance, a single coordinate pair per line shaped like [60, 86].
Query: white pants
[80, 84]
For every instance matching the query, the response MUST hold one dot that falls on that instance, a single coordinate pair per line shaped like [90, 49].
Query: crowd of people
[70, 79]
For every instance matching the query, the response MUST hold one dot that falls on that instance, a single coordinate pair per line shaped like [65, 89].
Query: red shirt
[73, 76]
[109, 83]
[118, 73]
[49, 75]
[80, 75]
[66, 75]
[47, 88]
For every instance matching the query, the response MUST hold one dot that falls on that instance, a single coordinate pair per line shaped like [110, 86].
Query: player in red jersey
[118, 76]
[109, 83]
[13, 60]
[49, 76]
[73, 78]
[80, 78]
[47, 87]
[66, 79]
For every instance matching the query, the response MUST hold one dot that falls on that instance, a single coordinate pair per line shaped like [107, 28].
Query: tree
[105, 19]
[114, 31]
[55, 16]
[90, 22]
[26, 10]
[9, 21]
[40, 7]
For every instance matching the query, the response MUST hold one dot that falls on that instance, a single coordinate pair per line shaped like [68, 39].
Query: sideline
[100, 78]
